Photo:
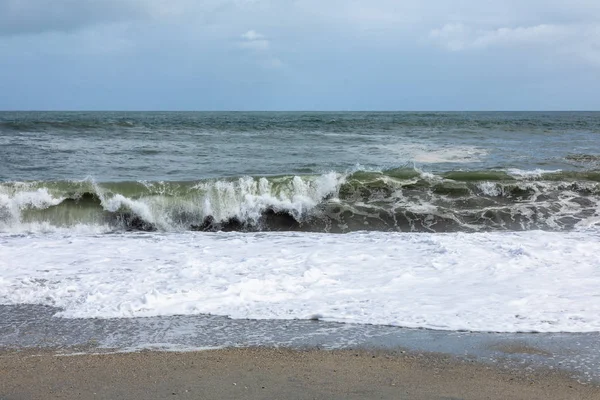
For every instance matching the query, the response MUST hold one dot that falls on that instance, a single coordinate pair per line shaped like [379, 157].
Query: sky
[299, 55]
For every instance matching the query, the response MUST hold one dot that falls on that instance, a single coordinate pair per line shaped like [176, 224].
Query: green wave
[398, 199]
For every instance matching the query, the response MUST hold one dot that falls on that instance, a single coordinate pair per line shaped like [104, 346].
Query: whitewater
[506, 282]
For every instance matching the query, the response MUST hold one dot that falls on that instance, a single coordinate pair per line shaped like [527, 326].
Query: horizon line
[294, 111]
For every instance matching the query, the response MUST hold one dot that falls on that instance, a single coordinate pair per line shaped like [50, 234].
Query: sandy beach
[274, 374]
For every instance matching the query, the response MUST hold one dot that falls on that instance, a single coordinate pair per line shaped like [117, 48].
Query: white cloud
[456, 37]
[574, 40]
[260, 46]
[254, 41]
[252, 35]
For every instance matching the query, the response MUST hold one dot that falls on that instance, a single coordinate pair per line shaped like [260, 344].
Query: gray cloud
[386, 16]
[300, 53]
[38, 16]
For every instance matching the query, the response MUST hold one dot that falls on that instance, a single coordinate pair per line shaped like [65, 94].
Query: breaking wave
[391, 200]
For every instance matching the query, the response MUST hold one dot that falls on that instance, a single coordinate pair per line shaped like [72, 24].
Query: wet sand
[266, 373]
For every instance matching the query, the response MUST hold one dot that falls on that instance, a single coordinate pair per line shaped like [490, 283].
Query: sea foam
[506, 282]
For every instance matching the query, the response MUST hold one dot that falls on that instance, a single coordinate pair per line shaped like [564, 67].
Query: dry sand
[273, 374]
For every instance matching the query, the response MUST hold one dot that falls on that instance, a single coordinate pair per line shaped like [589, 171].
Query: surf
[402, 199]
[499, 281]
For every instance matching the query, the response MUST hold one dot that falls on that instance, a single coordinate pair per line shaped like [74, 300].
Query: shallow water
[34, 328]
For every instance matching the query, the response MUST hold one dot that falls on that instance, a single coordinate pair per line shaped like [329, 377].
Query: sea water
[452, 221]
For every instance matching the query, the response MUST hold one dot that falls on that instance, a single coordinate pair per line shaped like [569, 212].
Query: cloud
[334, 53]
[19, 17]
[38, 16]
[261, 47]
[252, 35]
[255, 41]
[575, 40]
[457, 37]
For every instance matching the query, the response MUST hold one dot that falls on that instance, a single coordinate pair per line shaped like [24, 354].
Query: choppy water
[324, 172]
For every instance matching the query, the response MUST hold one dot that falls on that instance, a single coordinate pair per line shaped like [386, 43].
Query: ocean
[447, 221]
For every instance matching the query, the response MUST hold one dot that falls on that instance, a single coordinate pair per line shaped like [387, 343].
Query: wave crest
[399, 200]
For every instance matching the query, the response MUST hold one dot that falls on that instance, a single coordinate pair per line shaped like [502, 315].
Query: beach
[262, 373]
[212, 357]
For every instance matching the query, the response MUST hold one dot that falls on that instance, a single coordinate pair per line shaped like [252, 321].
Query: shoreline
[28, 329]
[257, 373]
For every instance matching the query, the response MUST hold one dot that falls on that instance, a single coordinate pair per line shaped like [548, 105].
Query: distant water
[109, 214]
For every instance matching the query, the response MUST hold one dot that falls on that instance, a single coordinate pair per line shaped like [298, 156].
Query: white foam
[490, 188]
[139, 207]
[13, 202]
[529, 281]
[428, 153]
[531, 174]
[462, 154]
[247, 198]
